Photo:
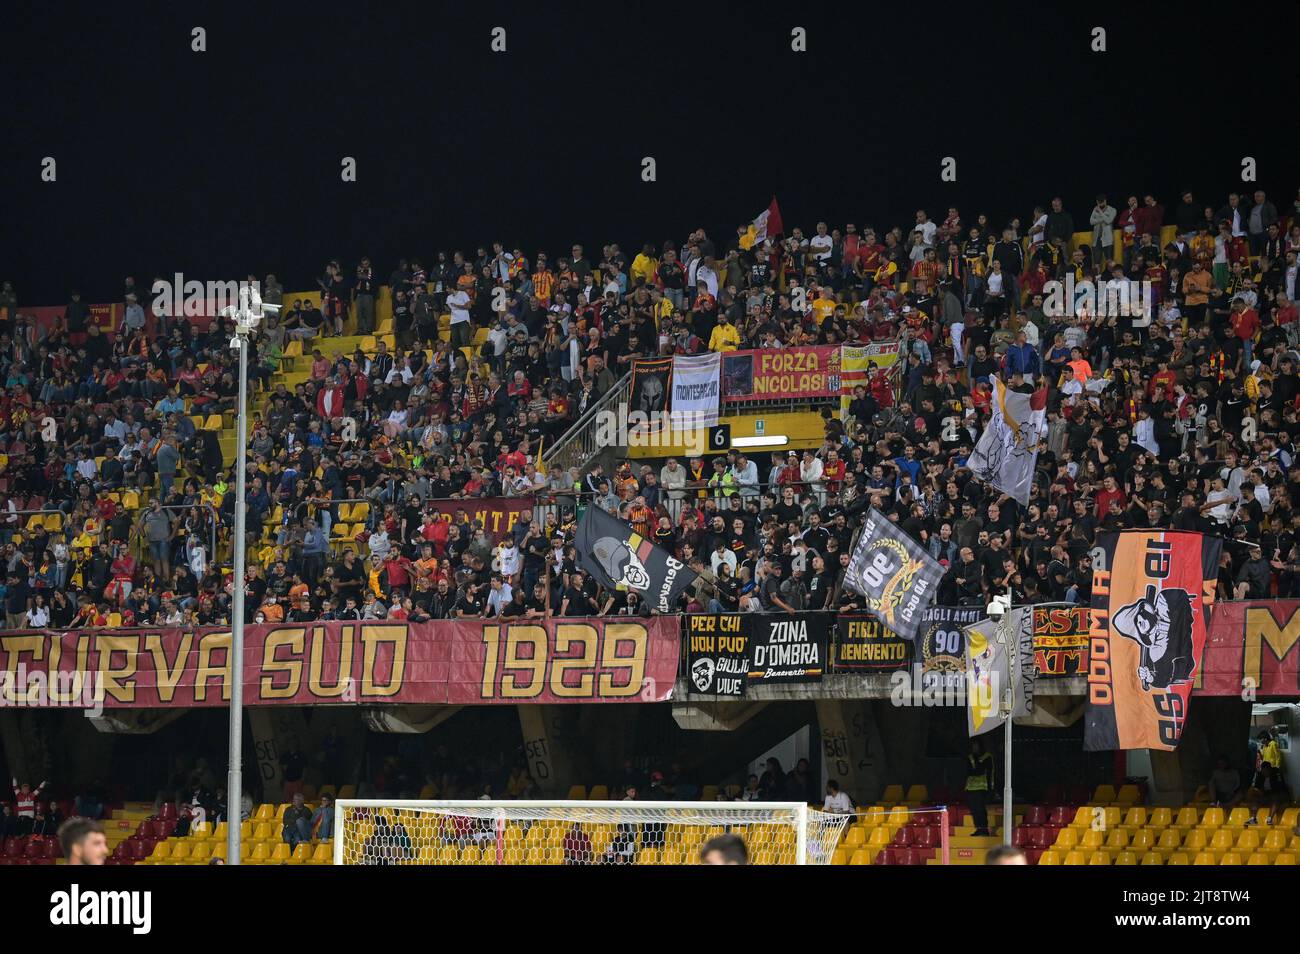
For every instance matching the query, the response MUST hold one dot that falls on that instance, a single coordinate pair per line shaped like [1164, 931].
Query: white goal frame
[801, 813]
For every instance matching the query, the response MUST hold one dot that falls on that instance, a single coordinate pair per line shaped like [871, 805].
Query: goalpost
[483, 832]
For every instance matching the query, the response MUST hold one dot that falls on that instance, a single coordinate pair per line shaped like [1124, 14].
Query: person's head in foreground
[724, 850]
[83, 842]
[1005, 855]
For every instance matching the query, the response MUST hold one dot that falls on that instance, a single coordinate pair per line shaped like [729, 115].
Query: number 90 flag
[896, 576]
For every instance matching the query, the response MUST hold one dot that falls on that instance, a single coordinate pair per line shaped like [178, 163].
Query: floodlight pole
[1011, 646]
[247, 316]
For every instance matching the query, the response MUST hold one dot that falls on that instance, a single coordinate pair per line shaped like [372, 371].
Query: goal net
[482, 832]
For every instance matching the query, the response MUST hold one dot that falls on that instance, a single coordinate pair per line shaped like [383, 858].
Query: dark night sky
[218, 163]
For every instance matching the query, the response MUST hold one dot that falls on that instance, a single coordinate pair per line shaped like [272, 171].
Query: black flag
[621, 559]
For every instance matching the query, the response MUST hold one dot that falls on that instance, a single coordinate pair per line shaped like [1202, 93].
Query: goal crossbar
[483, 826]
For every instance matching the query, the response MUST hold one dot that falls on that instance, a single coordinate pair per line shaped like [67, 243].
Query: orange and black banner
[1152, 592]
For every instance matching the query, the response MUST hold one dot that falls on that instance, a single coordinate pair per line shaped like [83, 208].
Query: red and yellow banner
[497, 514]
[781, 374]
[1061, 640]
[1253, 650]
[1152, 592]
[621, 659]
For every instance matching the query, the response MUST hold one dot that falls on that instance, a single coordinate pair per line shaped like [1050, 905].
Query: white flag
[696, 391]
[1007, 452]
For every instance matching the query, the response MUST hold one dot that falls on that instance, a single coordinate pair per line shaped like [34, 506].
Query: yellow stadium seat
[1049, 858]
[917, 795]
[1143, 839]
[341, 531]
[600, 793]
[281, 852]
[201, 852]
[1083, 816]
[1221, 840]
[301, 854]
[1160, 818]
[1128, 795]
[1117, 839]
[54, 522]
[261, 853]
[360, 512]
[1169, 840]
[1204, 858]
[265, 812]
[200, 831]
[893, 794]
[1290, 818]
[840, 857]
[1264, 818]
[577, 792]
[1195, 840]
[1067, 838]
[221, 832]
[880, 838]
[1178, 858]
[280, 810]
[213, 423]
[1098, 858]
[1258, 858]
[855, 836]
[1152, 858]
[1275, 840]
[293, 348]
[1135, 817]
[162, 851]
[1187, 817]
[1247, 841]
[264, 831]
[1076, 858]
[1238, 817]
[1104, 795]
[1230, 858]
[1093, 839]
[323, 854]
[862, 856]
[1213, 818]
[1284, 858]
[181, 851]
[219, 850]
[1126, 858]
[1113, 816]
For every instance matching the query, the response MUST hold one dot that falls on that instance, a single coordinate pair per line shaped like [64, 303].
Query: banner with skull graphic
[622, 560]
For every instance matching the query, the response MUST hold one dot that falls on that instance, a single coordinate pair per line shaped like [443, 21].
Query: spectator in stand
[25, 800]
[298, 822]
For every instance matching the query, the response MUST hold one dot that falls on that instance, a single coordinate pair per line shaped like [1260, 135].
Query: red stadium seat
[1060, 816]
[34, 849]
[1054, 794]
[168, 811]
[13, 848]
[925, 837]
[52, 848]
[1036, 815]
[1079, 795]
[903, 838]
[910, 856]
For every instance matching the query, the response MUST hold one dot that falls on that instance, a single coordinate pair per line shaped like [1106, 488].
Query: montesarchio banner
[898, 578]
[619, 659]
[788, 647]
[717, 653]
[864, 644]
[1152, 592]
[621, 559]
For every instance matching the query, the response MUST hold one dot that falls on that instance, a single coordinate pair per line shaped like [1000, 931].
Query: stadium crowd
[1181, 416]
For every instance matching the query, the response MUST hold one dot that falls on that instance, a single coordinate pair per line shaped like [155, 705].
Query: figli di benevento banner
[347, 663]
[1151, 595]
[864, 644]
[717, 653]
[1061, 640]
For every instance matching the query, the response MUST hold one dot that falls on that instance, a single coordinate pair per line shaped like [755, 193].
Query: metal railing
[578, 445]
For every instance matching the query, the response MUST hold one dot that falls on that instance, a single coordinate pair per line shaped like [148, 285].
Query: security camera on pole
[246, 317]
[999, 609]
